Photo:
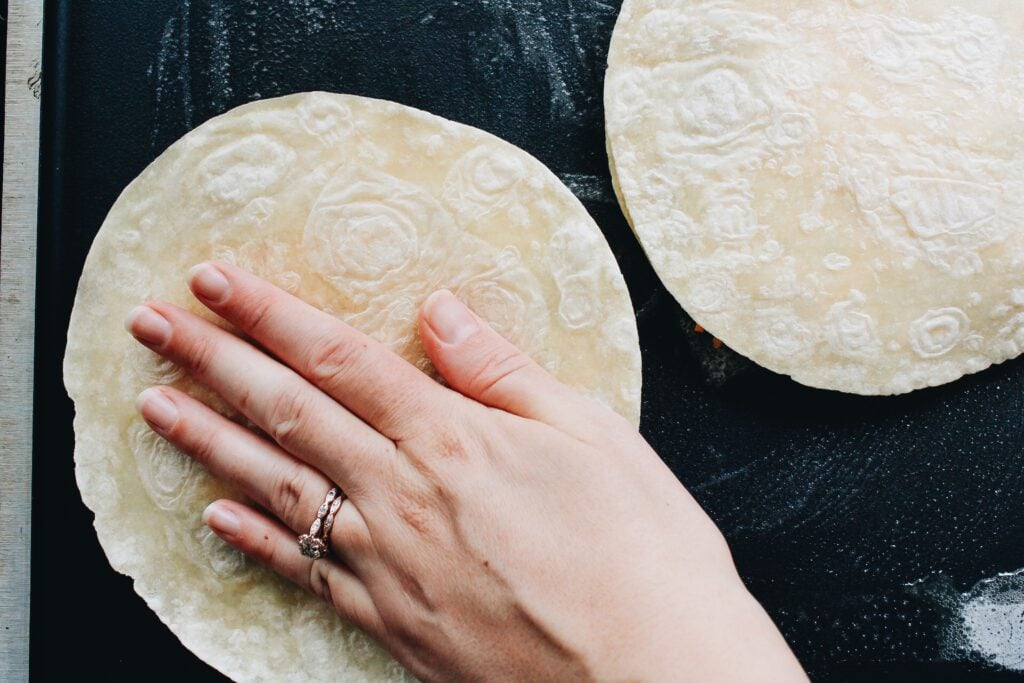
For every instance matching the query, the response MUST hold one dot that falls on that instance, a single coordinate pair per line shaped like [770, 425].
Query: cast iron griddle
[861, 523]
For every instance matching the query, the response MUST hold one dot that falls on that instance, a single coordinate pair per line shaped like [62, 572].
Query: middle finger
[301, 418]
[362, 374]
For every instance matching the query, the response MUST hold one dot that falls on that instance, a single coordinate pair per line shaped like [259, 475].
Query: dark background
[3, 67]
[858, 522]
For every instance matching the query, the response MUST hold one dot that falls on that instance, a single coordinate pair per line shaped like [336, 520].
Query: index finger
[388, 393]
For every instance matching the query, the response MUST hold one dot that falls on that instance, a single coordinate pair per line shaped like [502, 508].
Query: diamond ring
[315, 543]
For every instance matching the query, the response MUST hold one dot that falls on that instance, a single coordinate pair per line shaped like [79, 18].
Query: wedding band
[329, 520]
[314, 544]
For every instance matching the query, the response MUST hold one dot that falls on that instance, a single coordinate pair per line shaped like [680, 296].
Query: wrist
[726, 635]
[719, 633]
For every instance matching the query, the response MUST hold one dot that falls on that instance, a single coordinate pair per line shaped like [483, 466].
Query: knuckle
[256, 312]
[288, 415]
[449, 443]
[402, 413]
[320, 583]
[416, 509]
[200, 355]
[331, 357]
[410, 636]
[288, 493]
[496, 368]
[203, 446]
[415, 629]
[244, 400]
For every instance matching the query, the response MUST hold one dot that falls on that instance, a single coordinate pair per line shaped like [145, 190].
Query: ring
[315, 543]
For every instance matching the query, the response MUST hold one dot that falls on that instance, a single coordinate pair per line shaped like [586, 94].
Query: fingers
[302, 419]
[391, 395]
[288, 488]
[273, 545]
[479, 363]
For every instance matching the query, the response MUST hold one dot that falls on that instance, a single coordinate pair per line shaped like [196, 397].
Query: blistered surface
[362, 208]
[834, 189]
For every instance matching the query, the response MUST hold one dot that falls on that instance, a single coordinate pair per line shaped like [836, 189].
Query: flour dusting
[590, 188]
[985, 623]
[528, 30]
[992, 615]
[219, 64]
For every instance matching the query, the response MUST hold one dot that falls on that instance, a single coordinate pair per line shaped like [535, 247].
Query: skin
[501, 528]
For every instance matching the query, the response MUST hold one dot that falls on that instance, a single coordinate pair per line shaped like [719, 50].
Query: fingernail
[221, 519]
[157, 409]
[449, 318]
[209, 284]
[148, 326]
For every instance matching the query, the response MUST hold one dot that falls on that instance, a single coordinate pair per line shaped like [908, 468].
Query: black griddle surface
[859, 522]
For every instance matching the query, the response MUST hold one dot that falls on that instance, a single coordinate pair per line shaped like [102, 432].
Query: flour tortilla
[834, 189]
[362, 208]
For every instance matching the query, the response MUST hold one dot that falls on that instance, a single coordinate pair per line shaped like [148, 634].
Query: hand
[505, 528]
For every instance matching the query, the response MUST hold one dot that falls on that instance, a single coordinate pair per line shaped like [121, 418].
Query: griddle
[858, 522]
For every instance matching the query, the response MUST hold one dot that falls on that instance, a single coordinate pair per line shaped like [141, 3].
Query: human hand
[505, 528]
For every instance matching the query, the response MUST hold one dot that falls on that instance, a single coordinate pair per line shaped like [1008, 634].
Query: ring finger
[287, 487]
[269, 543]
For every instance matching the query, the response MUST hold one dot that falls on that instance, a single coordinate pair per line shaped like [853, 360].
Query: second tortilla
[834, 189]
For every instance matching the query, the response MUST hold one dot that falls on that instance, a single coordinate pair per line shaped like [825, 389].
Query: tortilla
[362, 208]
[833, 189]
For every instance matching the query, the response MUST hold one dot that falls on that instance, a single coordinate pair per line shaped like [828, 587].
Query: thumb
[479, 363]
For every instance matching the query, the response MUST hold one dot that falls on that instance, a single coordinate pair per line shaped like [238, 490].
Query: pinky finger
[273, 545]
